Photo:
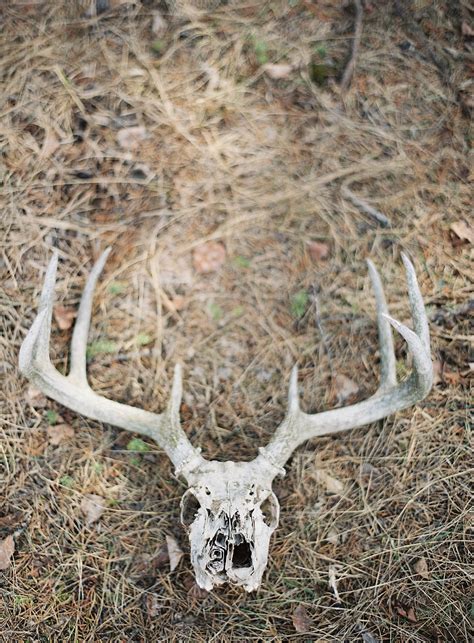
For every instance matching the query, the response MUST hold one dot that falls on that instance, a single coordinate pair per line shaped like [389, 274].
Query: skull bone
[230, 513]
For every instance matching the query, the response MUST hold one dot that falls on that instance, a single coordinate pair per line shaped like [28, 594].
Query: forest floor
[223, 136]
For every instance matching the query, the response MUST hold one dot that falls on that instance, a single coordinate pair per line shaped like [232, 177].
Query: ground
[256, 160]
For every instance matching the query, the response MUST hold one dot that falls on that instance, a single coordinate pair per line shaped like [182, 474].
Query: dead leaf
[35, 397]
[7, 547]
[463, 231]
[318, 251]
[368, 469]
[344, 388]
[179, 302]
[421, 568]
[35, 442]
[50, 145]
[59, 433]
[209, 257]
[92, 506]
[12, 521]
[408, 613]
[64, 317]
[467, 30]
[159, 24]
[197, 593]
[333, 582]
[452, 377]
[161, 558]
[129, 138]
[153, 605]
[332, 484]
[277, 72]
[367, 637]
[301, 620]
[174, 552]
[437, 371]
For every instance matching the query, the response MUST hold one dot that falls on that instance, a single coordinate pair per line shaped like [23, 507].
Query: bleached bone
[229, 509]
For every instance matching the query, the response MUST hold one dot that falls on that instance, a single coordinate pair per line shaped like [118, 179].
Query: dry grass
[257, 164]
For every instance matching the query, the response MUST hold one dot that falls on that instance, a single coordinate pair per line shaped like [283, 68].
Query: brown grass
[257, 164]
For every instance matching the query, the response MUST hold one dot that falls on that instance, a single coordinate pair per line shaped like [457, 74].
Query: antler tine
[73, 390]
[46, 307]
[388, 374]
[80, 334]
[390, 397]
[420, 320]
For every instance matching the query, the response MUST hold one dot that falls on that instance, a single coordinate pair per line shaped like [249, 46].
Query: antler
[74, 391]
[389, 397]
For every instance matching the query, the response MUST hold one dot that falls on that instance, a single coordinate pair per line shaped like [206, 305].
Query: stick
[365, 207]
[350, 67]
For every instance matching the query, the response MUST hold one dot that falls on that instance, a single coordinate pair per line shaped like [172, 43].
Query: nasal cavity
[242, 556]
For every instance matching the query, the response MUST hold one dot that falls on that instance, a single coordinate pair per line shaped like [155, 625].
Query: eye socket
[190, 505]
[270, 509]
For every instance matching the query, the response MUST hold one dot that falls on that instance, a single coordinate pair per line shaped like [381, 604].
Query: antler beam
[297, 427]
[74, 391]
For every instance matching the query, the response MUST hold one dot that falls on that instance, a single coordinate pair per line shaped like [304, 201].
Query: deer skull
[230, 512]
[229, 509]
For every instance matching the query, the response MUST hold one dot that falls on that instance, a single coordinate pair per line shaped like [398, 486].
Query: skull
[230, 512]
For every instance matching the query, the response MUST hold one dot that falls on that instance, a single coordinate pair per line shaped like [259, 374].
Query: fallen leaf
[437, 371]
[129, 138]
[411, 615]
[333, 582]
[50, 145]
[59, 433]
[367, 637]
[408, 613]
[161, 558]
[92, 506]
[64, 317]
[174, 552]
[209, 257]
[318, 251]
[213, 77]
[344, 388]
[332, 537]
[421, 568]
[35, 443]
[196, 592]
[178, 302]
[12, 521]
[7, 547]
[463, 231]
[332, 484]
[277, 72]
[453, 378]
[159, 24]
[467, 30]
[153, 605]
[368, 469]
[35, 397]
[301, 620]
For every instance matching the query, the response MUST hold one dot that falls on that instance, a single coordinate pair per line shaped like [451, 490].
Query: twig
[350, 67]
[365, 207]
